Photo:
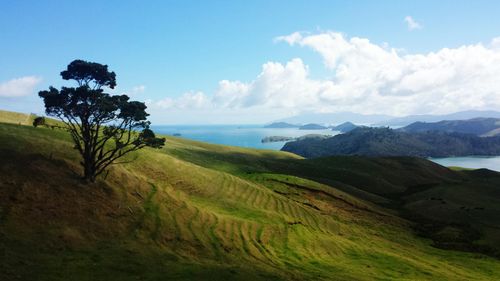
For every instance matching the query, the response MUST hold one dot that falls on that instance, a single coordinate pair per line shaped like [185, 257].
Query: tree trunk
[89, 171]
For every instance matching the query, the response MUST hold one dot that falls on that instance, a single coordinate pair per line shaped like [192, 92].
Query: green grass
[456, 168]
[196, 211]
[16, 118]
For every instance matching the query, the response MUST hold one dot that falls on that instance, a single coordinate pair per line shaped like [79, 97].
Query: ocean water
[473, 162]
[237, 135]
[251, 136]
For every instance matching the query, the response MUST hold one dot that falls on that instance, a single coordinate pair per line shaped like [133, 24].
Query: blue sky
[165, 50]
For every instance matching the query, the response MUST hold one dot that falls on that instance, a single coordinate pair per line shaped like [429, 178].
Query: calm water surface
[237, 135]
[474, 162]
[251, 136]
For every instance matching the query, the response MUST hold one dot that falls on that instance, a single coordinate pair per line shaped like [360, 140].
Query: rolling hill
[368, 141]
[197, 211]
[16, 118]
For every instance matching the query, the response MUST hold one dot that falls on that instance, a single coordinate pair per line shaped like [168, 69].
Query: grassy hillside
[196, 211]
[16, 118]
[23, 119]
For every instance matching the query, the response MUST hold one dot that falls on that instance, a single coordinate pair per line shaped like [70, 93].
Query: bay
[236, 135]
[472, 162]
[251, 135]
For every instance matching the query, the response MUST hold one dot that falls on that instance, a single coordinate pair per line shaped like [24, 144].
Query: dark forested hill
[389, 142]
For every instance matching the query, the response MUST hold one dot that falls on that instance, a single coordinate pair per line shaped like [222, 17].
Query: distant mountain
[383, 120]
[345, 127]
[476, 126]
[281, 125]
[367, 141]
[312, 126]
[462, 115]
[336, 118]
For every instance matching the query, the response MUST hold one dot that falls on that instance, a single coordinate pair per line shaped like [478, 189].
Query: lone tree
[103, 127]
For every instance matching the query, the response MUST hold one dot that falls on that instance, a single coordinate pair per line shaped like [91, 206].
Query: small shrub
[39, 121]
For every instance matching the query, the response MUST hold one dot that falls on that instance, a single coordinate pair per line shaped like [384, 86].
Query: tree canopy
[103, 127]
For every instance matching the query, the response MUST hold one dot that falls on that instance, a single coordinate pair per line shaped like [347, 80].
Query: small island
[312, 126]
[276, 139]
[281, 125]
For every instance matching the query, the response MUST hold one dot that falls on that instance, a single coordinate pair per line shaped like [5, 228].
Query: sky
[251, 62]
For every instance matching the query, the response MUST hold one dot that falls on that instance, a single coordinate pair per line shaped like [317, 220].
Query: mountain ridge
[461, 115]
[477, 126]
[384, 120]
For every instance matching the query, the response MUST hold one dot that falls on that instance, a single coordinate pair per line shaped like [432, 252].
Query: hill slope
[388, 142]
[345, 127]
[196, 211]
[16, 118]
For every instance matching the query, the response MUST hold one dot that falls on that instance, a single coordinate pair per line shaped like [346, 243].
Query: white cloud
[365, 78]
[134, 92]
[495, 43]
[189, 100]
[381, 79]
[138, 89]
[412, 24]
[19, 87]
[290, 39]
[277, 86]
